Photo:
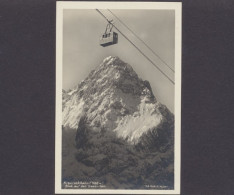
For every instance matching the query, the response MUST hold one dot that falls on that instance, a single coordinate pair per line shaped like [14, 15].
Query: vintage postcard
[118, 97]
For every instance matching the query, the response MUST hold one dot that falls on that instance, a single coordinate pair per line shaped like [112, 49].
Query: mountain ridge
[115, 98]
[116, 132]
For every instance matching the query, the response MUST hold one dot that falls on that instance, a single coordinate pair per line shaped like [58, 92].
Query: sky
[82, 52]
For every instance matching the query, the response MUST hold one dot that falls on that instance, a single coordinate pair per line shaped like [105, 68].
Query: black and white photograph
[118, 97]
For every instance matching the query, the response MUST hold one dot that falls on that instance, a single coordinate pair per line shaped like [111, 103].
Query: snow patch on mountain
[131, 127]
[72, 112]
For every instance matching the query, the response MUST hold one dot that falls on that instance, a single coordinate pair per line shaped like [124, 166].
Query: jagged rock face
[116, 132]
[114, 98]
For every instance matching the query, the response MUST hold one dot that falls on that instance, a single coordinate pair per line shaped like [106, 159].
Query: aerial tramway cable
[137, 48]
[141, 40]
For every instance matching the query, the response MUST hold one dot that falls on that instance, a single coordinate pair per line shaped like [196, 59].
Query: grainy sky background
[82, 52]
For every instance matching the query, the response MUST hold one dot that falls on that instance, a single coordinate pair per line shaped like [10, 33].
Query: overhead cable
[136, 48]
[141, 40]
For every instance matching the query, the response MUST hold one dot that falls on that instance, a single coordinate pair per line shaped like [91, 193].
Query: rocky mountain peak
[114, 98]
[116, 74]
[124, 137]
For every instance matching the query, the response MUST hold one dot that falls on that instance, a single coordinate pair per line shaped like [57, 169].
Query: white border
[177, 6]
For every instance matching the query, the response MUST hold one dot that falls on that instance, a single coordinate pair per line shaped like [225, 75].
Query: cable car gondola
[109, 37]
